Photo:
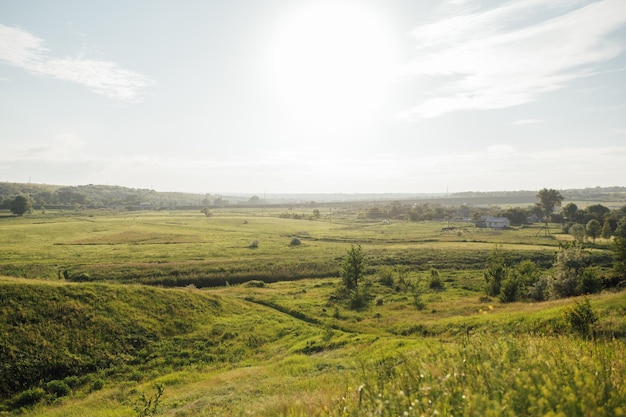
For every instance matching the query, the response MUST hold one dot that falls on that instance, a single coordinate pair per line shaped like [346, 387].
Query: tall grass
[496, 375]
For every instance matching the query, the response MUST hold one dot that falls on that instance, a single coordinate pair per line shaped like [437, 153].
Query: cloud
[618, 131]
[22, 49]
[512, 54]
[528, 122]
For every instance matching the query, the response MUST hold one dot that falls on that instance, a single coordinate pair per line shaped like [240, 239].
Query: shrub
[353, 267]
[538, 291]
[72, 381]
[28, 397]
[295, 242]
[58, 388]
[569, 266]
[97, 385]
[147, 406]
[581, 318]
[358, 299]
[385, 276]
[496, 271]
[416, 292]
[509, 290]
[590, 282]
[435, 282]
[254, 244]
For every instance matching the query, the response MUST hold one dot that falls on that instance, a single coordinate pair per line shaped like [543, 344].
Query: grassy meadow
[231, 315]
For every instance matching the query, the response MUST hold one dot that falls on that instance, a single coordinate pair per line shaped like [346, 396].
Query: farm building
[491, 222]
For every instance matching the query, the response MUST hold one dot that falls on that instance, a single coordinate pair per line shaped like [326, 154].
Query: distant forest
[44, 196]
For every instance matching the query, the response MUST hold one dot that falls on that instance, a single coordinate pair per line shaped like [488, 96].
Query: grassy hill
[282, 349]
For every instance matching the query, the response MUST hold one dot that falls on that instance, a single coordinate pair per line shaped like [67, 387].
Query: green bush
[509, 290]
[28, 397]
[435, 282]
[581, 318]
[97, 385]
[538, 291]
[590, 282]
[58, 388]
[295, 242]
[386, 276]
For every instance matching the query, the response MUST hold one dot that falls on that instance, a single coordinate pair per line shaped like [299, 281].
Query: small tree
[548, 199]
[618, 247]
[569, 267]
[20, 205]
[353, 267]
[495, 272]
[593, 229]
[578, 231]
[606, 229]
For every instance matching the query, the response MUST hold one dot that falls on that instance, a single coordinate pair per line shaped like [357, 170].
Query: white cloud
[24, 50]
[528, 122]
[618, 131]
[507, 56]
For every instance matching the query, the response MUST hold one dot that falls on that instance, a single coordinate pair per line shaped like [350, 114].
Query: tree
[20, 205]
[606, 229]
[593, 229]
[496, 271]
[517, 216]
[569, 268]
[353, 267]
[569, 212]
[548, 199]
[578, 231]
[596, 211]
[619, 250]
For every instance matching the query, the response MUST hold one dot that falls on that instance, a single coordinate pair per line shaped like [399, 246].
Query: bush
[295, 242]
[58, 388]
[538, 291]
[358, 299]
[72, 381]
[496, 271]
[435, 282]
[581, 318]
[571, 262]
[509, 290]
[591, 282]
[28, 397]
[97, 385]
[353, 267]
[385, 276]
[254, 244]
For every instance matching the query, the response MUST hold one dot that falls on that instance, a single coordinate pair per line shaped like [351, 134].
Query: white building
[491, 222]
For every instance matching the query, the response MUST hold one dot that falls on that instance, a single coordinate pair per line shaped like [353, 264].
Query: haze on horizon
[300, 96]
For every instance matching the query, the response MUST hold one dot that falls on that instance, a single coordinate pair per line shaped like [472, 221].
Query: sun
[331, 62]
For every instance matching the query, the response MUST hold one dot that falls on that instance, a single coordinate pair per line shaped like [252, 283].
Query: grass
[281, 343]
[177, 249]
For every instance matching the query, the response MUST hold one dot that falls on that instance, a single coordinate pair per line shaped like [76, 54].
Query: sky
[314, 96]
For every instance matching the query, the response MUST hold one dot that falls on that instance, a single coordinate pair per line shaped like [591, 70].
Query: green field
[231, 318]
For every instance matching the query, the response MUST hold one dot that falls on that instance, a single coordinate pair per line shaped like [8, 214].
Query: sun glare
[331, 62]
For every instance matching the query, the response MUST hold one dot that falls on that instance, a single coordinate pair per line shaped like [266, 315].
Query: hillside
[93, 349]
[98, 196]
[93, 335]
